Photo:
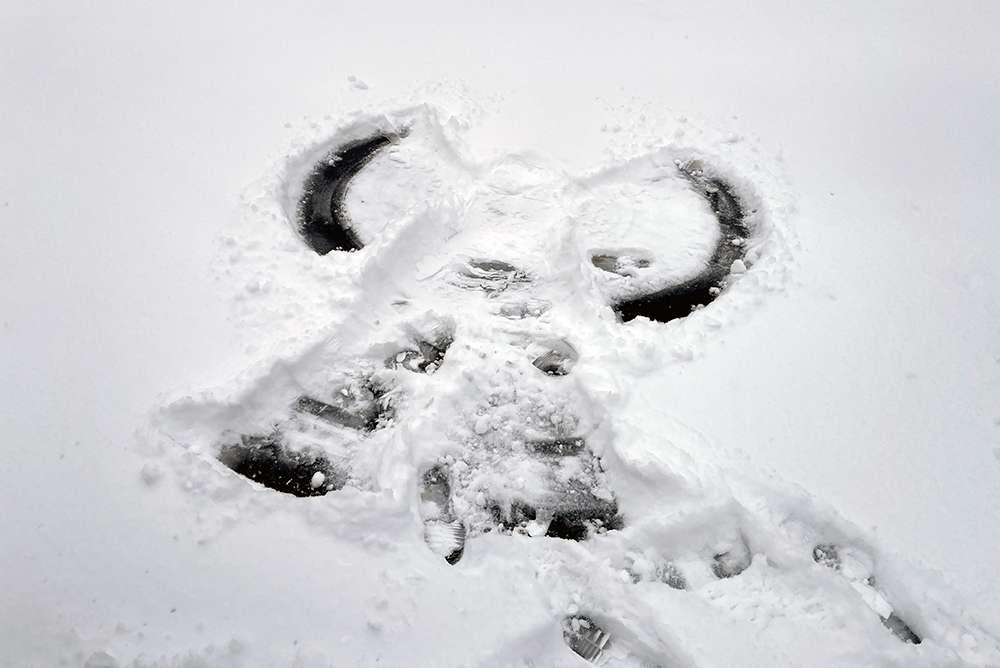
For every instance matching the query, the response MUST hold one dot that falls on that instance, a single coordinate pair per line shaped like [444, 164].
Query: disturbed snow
[710, 564]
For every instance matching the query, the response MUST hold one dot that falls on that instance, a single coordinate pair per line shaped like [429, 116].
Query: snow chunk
[535, 529]
[482, 425]
[875, 600]
[151, 473]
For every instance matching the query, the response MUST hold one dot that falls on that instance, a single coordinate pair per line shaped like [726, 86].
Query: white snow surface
[842, 389]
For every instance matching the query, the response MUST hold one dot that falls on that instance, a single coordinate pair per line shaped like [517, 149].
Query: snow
[157, 302]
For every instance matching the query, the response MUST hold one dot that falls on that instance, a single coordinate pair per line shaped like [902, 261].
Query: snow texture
[473, 378]
[641, 319]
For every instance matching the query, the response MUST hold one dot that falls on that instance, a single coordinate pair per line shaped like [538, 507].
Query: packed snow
[454, 443]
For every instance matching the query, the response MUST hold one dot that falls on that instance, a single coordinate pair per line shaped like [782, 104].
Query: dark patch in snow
[517, 514]
[672, 576]
[677, 301]
[572, 515]
[558, 359]
[568, 526]
[323, 222]
[663, 571]
[900, 629]
[585, 637]
[346, 408]
[571, 509]
[436, 488]
[581, 513]
[266, 460]
[425, 356]
[828, 554]
[557, 447]
[491, 276]
[444, 533]
[734, 561]
[307, 471]
[623, 263]
[551, 363]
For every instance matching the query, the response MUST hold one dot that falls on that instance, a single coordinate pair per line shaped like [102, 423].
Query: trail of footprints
[309, 452]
